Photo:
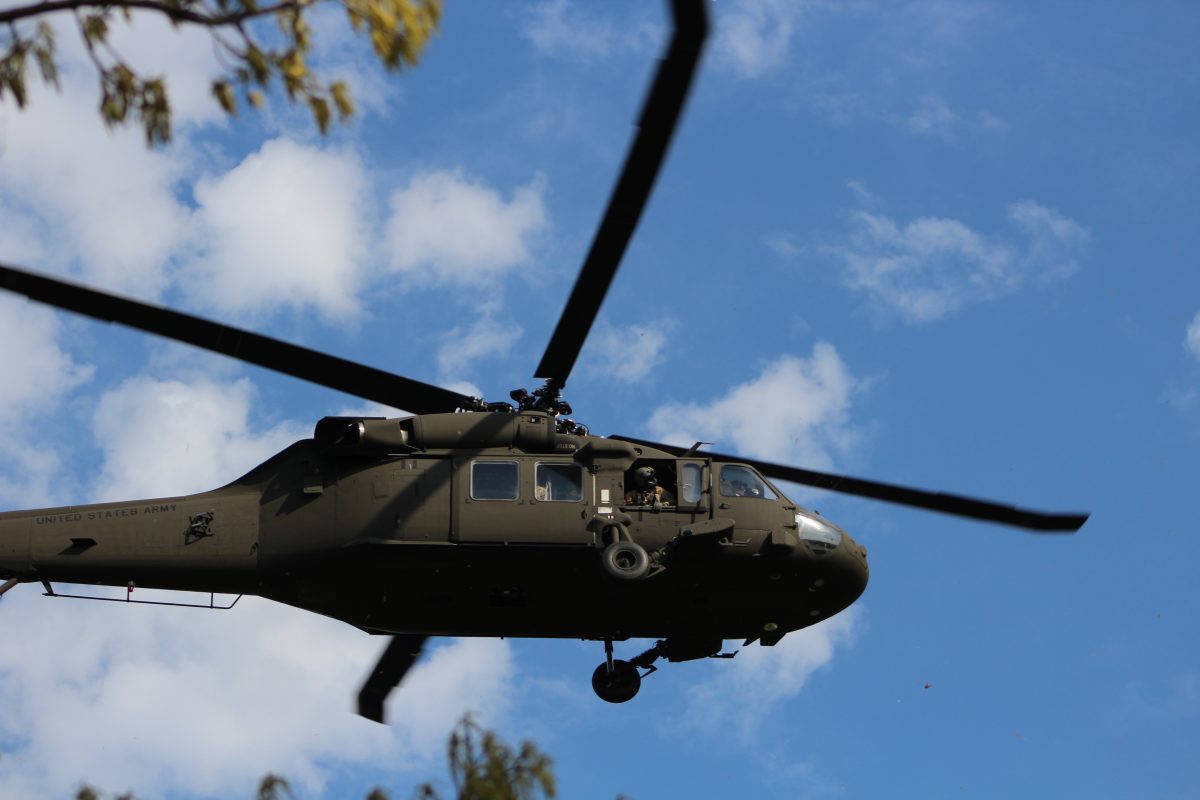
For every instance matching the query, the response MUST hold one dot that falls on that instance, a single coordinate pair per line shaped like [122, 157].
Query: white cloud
[932, 267]
[284, 227]
[448, 228]
[162, 699]
[1192, 340]
[795, 411]
[29, 348]
[944, 22]
[1055, 241]
[782, 245]
[628, 353]
[169, 437]
[465, 387]
[463, 345]
[24, 239]
[753, 36]
[559, 27]
[366, 409]
[760, 678]
[934, 117]
[865, 196]
[105, 200]
[467, 674]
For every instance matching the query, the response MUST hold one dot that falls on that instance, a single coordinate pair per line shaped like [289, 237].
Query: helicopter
[490, 519]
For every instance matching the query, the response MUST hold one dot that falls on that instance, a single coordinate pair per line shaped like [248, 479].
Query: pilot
[743, 489]
[646, 491]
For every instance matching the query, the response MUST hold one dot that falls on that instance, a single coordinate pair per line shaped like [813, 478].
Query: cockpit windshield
[739, 481]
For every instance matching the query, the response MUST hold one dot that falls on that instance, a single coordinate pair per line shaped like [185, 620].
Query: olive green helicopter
[475, 518]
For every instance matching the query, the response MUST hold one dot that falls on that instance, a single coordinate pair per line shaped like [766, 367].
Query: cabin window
[494, 480]
[561, 482]
[739, 481]
[689, 483]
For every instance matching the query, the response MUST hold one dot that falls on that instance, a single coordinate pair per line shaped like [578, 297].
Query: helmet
[645, 477]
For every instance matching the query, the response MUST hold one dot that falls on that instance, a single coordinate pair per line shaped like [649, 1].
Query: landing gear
[618, 681]
[624, 560]
[618, 684]
[615, 681]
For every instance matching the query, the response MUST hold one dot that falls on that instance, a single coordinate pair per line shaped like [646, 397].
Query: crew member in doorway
[645, 490]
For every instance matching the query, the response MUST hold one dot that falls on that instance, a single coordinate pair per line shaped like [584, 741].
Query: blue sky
[951, 245]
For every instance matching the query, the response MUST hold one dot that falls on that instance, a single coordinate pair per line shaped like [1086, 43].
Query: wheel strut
[617, 681]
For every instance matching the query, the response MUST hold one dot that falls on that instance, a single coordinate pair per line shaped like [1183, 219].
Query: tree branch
[174, 12]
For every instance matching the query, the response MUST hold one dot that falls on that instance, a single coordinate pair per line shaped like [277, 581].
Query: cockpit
[741, 481]
[669, 483]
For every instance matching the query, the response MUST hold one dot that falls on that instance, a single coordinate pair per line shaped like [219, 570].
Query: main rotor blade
[299, 362]
[660, 113]
[401, 653]
[942, 502]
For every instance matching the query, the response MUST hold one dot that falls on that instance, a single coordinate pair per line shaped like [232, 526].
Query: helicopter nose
[840, 560]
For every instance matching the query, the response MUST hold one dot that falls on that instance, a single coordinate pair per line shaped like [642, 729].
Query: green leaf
[259, 66]
[155, 111]
[12, 73]
[274, 787]
[223, 91]
[95, 28]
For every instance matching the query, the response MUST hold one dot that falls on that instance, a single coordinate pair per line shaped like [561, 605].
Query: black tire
[626, 561]
[618, 686]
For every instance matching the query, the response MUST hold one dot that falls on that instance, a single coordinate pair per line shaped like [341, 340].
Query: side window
[494, 480]
[739, 481]
[689, 483]
[560, 482]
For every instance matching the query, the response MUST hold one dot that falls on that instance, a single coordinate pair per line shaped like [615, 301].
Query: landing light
[814, 529]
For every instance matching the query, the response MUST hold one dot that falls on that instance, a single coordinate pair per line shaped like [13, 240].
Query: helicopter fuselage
[502, 535]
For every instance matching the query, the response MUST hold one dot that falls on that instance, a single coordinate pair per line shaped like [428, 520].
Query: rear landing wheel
[618, 685]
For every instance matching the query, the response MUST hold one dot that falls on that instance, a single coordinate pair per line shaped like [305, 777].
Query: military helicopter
[474, 518]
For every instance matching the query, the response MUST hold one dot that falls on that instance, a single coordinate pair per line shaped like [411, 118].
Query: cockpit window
[739, 481]
[494, 480]
[560, 482]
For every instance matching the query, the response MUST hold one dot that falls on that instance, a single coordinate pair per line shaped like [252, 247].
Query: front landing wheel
[626, 561]
[619, 685]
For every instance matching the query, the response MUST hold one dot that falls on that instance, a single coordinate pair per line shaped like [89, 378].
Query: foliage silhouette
[253, 54]
[482, 767]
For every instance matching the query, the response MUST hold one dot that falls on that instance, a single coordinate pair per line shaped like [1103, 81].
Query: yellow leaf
[341, 99]
[320, 110]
